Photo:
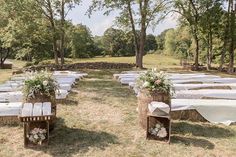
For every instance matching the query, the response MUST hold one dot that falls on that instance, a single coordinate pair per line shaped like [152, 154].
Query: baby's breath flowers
[154, 81]
[37, 135]
[159, 130]
[41, 83]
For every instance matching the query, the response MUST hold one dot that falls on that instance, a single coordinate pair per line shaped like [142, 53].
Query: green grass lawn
[100, 119]
[150, 60]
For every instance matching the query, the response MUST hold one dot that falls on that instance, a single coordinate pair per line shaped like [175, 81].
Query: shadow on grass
[193, 142]
[203, 130]
[70, 102]
[65, 141]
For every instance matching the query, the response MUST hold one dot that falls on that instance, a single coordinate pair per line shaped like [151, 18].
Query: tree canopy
[35, 30]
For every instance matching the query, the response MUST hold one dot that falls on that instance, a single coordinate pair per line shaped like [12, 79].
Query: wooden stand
[152, 121]
[36, 116]
[29, 126]
[146, 97]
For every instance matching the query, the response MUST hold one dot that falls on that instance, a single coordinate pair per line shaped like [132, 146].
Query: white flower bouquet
[153, 80]
[159, 131]
[40, 83]
[37, 135]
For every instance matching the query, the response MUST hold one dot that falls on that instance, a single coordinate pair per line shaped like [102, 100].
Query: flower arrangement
[37, 135]
[153, 80]
[40, 83]
[159, 131]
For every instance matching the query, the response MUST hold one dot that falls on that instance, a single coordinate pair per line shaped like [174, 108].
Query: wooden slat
[27, 110]
[37, 110]
[47, 108]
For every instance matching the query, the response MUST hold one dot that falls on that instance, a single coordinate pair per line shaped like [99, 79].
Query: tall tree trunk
[143, 10]
[62, 44]
[196, 55]
[195, 34]
[51, 19]
[226, 34]
[210, 50]
[136, 43]
[232, 44]
[3, 57]
[141, 48]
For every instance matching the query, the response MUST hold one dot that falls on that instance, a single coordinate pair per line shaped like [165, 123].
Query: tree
[210, 26]
[232, 36]
[190, 11]
[226, 20]
[114, 42]
[150, 44]
[64, 8]
[170, 42]
[27, 39]
[4, 52]
[82, 43]
[48, 9]
[53, 10]
[183, 40]
[148, 13]
[160, 39]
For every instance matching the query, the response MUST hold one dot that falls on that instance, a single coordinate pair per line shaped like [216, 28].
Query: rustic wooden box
[152, 121]
[29, 126]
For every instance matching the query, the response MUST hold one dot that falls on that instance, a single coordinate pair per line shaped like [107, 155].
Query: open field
[162, 62]
[150, 60]
[100, 119]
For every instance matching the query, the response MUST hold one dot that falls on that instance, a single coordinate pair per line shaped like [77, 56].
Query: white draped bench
[215, 111]
[207, 93]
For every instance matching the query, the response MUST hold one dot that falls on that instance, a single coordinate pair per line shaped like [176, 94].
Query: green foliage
[40, 84]
[183, 43]
[28, 39]
[114, 42]
[160, 39]
[118, 43]
[82, 44]
[33, 30]
[150, 44]
[170, 42]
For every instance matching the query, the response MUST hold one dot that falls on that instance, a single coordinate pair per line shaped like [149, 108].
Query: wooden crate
[152, 121]
[38, 115]
[29, 126]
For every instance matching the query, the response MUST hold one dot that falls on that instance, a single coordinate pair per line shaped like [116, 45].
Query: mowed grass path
[100, 119]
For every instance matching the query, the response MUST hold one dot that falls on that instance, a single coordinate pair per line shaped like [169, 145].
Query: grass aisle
[100, 119]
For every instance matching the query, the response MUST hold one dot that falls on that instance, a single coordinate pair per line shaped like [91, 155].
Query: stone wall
[87, 65]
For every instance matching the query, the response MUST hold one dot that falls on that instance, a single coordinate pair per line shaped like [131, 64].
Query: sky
[98, 22]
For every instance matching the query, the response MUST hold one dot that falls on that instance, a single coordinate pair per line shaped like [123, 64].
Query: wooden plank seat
[36, 112]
